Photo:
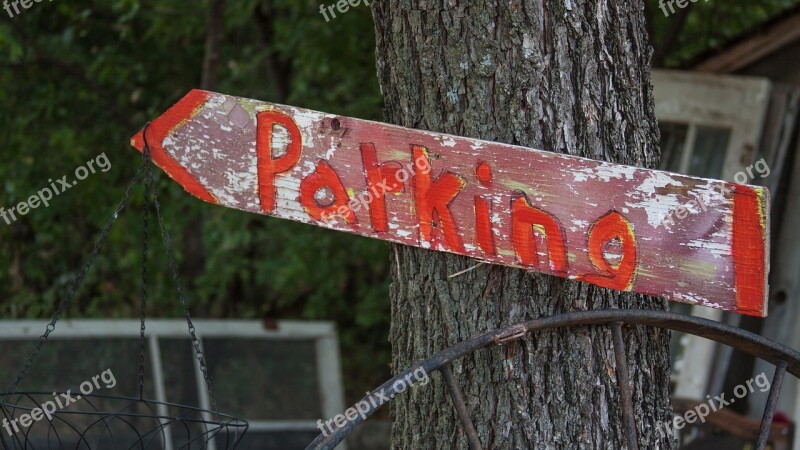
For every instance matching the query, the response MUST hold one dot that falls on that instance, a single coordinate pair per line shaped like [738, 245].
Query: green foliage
[712, 23]
[80, 77]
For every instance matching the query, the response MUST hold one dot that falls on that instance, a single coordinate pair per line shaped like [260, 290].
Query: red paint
[484, 173]
[474, 204]
[382, 180]
[433, 199]
[483, 226]
[749, 252]
[159, 129]
[325, 177]
[524, 218]
[269, 167]
[619, 276]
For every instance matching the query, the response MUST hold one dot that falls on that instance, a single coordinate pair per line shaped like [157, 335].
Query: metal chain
[150, 190]
[182, 298]
[76, 282]
[148, 176]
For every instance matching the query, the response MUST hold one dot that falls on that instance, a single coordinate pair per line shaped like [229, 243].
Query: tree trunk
[215, 22]
[194, 249]
[570, 77]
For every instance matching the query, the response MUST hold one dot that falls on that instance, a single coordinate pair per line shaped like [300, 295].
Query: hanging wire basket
[73, 420]
[106, 422]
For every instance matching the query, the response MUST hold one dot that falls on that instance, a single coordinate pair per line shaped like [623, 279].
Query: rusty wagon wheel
[782, 357]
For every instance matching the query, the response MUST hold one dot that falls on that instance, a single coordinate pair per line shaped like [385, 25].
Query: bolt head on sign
[607, 224]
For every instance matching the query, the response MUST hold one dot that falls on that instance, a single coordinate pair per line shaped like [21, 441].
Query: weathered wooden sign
[689, 239]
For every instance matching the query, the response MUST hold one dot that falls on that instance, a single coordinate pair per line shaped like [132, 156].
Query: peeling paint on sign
[563, 215]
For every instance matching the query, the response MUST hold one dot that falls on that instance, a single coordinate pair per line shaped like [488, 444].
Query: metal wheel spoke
[624, 382]
[784, 358]
[461, 408]
[772, 403]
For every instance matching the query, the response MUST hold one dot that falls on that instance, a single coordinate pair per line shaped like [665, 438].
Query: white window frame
[724, 101]
[329, 371]
[710, 100]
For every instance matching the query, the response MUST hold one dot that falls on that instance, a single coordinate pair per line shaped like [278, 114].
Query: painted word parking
[378, 187]
[571, 217]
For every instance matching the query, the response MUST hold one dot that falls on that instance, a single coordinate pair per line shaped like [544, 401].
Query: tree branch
[216, 28]
[278, 69]
[671, 36]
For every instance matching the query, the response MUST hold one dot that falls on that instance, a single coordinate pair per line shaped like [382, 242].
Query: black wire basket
[67, 420]
[110, 422]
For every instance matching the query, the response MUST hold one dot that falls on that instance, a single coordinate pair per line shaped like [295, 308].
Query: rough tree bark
[570, 77]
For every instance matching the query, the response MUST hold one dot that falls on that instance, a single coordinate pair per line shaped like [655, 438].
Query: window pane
[284, 440]
[180, 387]
[66, 363]
[104, 366]
[708, 155]
[673, 139]
[265, 379]
[177, 362]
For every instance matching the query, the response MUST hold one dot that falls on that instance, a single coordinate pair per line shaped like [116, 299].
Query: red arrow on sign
[688, 239]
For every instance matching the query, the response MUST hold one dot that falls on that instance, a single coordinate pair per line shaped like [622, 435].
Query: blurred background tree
[79, 78]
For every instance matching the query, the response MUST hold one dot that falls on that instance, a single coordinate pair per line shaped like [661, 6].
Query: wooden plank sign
[689, 239]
